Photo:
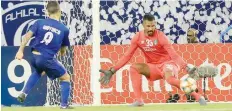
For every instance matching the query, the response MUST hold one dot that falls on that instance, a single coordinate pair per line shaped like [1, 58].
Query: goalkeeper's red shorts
[157, 70]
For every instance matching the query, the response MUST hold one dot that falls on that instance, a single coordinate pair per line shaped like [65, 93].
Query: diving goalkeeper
[162, 61]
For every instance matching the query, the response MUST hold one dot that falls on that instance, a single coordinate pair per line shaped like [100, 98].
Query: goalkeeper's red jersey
[157, 49]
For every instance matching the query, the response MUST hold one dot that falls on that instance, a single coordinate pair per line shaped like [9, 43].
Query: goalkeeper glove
[107, 75]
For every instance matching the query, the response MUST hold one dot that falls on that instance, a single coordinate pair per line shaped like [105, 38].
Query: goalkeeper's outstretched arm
[129, 53]
[122, 61]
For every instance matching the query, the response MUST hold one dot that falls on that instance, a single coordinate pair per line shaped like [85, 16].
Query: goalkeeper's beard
[150, 33]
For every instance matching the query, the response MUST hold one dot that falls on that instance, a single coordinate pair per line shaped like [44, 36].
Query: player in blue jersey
[51, 37]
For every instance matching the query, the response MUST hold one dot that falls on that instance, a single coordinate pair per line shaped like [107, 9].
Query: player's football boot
[66, 107]
[137, 104]
[21, 97]
[202, 101]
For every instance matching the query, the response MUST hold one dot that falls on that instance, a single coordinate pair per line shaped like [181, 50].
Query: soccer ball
[188, 85]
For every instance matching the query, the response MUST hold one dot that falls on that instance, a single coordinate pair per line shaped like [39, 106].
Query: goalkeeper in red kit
[162, 61]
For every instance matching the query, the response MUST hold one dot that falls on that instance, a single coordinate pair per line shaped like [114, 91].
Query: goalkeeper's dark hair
[52, 7]
[148, 17]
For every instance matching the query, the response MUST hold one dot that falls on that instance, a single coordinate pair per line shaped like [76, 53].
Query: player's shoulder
[42, 21]
[137, 34]
[162, 37]
[64, 27]
[38, 21]
[135, 37]
[55, 22]
[159, 32]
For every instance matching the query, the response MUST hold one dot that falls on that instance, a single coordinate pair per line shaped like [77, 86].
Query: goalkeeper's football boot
[202, 101]
[173, 98]
[21, 97]
[137, 104]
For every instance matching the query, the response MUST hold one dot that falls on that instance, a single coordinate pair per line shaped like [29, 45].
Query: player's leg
[136, 71]
[33, 79]
[65, 90]
[135, 74]
[170, 71]
[56, 70]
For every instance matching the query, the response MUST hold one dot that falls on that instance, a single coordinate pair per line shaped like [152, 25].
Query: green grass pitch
[153, 107]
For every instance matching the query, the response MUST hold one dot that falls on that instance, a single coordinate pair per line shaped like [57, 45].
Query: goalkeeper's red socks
[31, 82]
[136, 83]
[176, 82]
[65, 91]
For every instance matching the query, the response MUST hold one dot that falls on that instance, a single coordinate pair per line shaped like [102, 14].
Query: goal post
[95, 85]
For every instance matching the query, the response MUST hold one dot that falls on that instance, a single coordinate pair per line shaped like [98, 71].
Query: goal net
[77, 15]
[119, 20]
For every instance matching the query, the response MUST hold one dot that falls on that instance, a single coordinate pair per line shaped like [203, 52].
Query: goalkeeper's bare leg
[170, 72]
[136, 71]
